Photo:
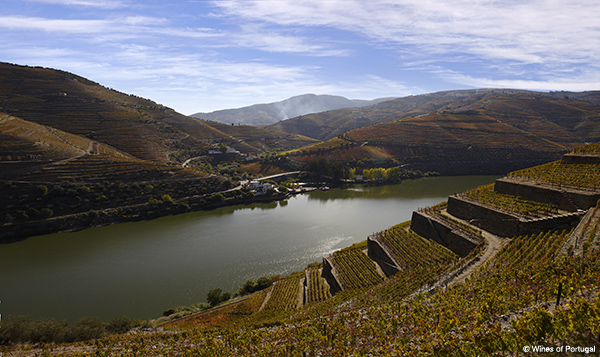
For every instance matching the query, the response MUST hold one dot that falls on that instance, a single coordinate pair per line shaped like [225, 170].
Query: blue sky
[203, 55]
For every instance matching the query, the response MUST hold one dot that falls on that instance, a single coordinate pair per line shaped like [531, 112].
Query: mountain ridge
[270, 113]
[327, 125]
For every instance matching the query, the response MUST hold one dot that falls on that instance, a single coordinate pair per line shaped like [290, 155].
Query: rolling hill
[133, 125]
[270, 113]
[74, 154]
[493, 131]
[572, 114]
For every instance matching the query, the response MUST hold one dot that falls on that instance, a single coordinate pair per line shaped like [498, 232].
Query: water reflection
[140, 269]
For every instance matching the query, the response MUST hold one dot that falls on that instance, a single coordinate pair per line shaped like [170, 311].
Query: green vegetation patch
[487, 195]
[355, 269]
[412, 251]
[585, 176]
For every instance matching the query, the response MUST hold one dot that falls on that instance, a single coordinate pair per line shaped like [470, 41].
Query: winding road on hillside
[493, 244]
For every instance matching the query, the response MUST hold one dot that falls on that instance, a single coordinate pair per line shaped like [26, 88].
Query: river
[140, 269]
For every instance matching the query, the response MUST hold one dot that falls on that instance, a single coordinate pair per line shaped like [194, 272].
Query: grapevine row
[317, 289]
[284, 295]
[487, 195]
[410, 249]
[562, 175]
[356, 270]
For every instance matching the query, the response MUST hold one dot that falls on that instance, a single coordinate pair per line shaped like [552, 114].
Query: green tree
[263, 282]
[214, 297]
[87, 328]
[394, 175]
[46, 212]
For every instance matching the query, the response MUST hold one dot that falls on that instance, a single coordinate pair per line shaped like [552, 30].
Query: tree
[87, 328]
[263, 282]
[223, 148]
[394, 175]
[214, 297]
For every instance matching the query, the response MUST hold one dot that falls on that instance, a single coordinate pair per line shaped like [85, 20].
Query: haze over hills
[324, 126]
[270, 113]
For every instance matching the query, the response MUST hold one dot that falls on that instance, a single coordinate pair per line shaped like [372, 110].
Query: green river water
[141, 269]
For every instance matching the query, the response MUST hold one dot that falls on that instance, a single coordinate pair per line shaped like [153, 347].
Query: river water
[140, 269]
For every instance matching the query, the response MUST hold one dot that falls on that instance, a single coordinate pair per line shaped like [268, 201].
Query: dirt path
[493, 244]
[202, 312]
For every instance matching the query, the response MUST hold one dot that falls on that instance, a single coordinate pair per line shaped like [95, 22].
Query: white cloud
[51, 25]
[575, 84]
[264, 39]
[105, 4]
[532, 31]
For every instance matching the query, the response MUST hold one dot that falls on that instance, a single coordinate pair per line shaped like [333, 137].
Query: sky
[203, 55]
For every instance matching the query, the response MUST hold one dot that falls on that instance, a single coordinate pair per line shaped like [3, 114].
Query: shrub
[87, 328]
[43, 190]
[122, 324]
[214, 297]
[46, 212]
[216, 198]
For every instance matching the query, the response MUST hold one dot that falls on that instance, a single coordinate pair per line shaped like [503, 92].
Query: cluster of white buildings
[260, 188]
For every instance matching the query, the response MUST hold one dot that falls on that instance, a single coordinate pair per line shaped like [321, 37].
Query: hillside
[496, 270]
[496, 134]
[447, 143]
[74, 154]
[270, 113]
[539, 113]
[135, 126]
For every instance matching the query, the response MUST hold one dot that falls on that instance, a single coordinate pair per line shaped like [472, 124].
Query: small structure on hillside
[259, 188]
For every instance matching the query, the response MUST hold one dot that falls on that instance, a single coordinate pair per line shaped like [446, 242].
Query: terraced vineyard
[355, 269]
[472, 318]
[506, 304]
[589, 149]
[316, 289]
[437, 211]
[100, 167]
[487, 195]
[581, 176]
[284, 294]
[410, 250]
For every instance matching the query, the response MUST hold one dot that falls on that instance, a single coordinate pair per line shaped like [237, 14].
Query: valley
[494, 268]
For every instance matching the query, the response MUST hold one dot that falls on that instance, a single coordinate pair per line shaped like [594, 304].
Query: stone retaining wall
[565, 199]
[505, 224]
[379, 254]
[434, 229]
[329, 275]
[579, 158]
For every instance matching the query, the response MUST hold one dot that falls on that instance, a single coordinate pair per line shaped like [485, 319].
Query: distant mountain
[265, 114]
[568, 108]
[456, 133]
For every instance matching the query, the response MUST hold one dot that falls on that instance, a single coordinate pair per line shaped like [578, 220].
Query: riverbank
[140, 269]
[14, 232]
